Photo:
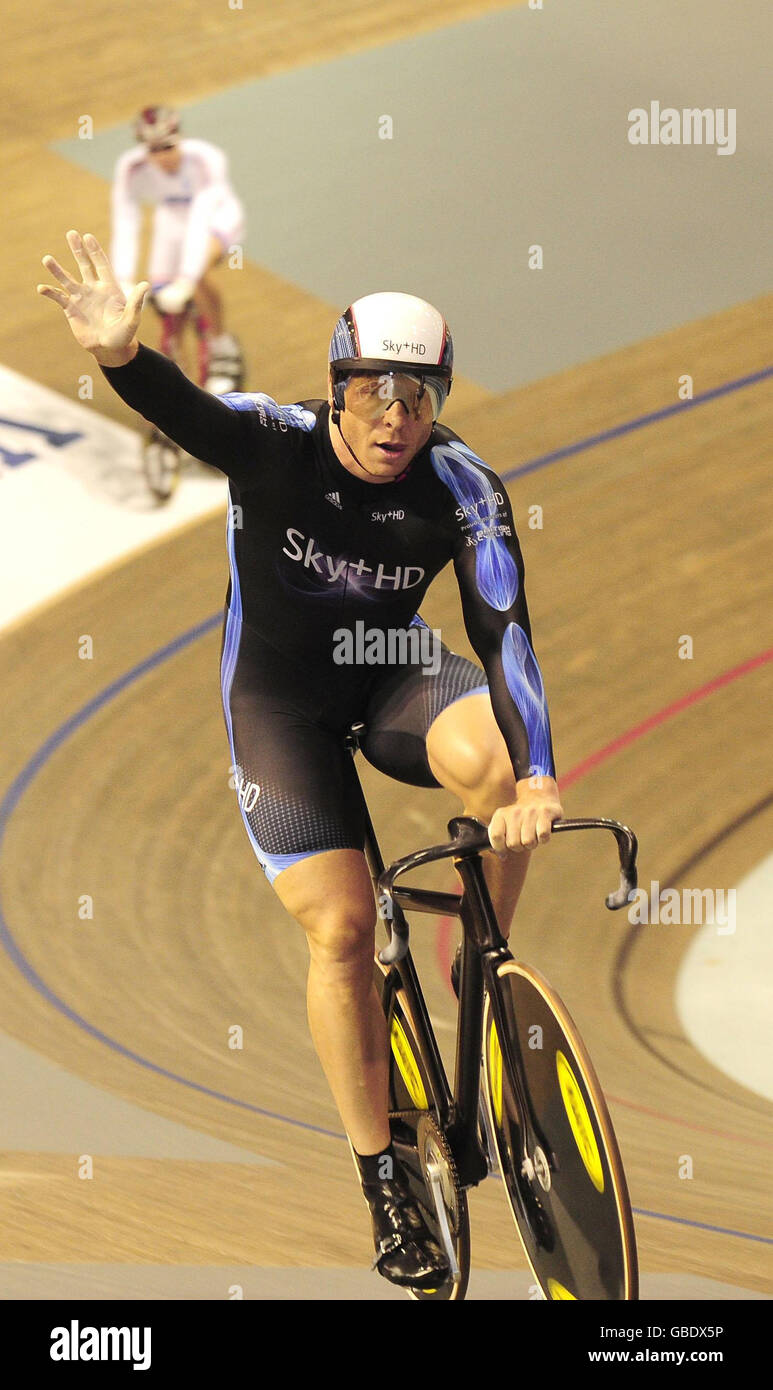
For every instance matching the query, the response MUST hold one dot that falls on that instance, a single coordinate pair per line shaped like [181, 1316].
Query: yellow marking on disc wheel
[409, 1070]
[495, 1072]
[580, 1122]
[558, 1292]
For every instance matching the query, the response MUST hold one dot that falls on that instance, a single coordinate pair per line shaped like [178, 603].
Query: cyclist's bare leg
[331, 896]
[468, 756]
[207, 298]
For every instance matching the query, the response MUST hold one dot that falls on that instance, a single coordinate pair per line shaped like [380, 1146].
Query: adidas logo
[334, 498]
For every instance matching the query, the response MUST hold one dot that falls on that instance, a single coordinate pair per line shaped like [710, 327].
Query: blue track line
[701, 1225]
[76, 721]
[7, 807]
[637, 424]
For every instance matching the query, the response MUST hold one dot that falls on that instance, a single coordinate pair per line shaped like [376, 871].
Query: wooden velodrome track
[651, 535]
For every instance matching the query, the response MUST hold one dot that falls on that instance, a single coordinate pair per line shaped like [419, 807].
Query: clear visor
[370, 394]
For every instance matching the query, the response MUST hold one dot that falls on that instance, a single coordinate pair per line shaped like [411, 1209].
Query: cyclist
[197, 218]
[343, 511]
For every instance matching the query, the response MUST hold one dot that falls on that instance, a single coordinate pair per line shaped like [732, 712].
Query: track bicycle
[525, 1095]
[162, 459]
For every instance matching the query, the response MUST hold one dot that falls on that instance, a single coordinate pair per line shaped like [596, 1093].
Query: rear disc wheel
[567, 1191]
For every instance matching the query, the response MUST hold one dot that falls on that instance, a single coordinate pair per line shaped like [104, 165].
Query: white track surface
[78, 505]
[724, 989]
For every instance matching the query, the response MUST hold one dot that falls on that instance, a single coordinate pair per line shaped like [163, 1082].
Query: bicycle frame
[483, 950]
[173, 328]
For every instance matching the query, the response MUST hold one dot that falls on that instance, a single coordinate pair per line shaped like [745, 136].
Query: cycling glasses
[369, 394]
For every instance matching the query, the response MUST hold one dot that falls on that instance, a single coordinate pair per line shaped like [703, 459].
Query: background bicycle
[188, 343]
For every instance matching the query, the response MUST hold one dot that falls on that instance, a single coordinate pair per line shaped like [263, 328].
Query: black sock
[379, 1167]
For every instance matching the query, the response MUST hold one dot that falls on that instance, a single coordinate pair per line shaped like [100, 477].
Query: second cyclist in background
[197, 218]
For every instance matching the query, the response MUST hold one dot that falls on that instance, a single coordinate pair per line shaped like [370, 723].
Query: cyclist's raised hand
[100, 316]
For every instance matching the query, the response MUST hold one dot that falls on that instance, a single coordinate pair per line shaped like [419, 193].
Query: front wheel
[422, 1148]
[564, 1180]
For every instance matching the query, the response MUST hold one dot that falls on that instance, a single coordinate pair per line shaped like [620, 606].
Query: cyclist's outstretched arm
[202, 424]
[105, 322]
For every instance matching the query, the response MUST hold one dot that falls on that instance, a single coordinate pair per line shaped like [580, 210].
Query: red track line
[446, 924]
[687, 1124]
[660, 717]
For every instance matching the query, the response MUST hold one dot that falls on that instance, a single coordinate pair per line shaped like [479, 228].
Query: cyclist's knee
[480, 773]
[468, 755]
[341, 937]
[331, 897]
[492, 786]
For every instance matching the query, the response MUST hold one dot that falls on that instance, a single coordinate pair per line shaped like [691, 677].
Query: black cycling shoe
[406, 1251]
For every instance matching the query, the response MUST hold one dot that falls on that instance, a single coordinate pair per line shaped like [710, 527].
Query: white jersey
[185, 205]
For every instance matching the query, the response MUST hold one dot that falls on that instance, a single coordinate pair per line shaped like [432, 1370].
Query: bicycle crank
[442, 1182]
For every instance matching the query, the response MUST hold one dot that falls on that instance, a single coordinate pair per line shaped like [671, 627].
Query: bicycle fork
[478, 965]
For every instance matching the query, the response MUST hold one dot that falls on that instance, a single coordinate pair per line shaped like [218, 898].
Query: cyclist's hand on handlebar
[101, 318]
[528, 822]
